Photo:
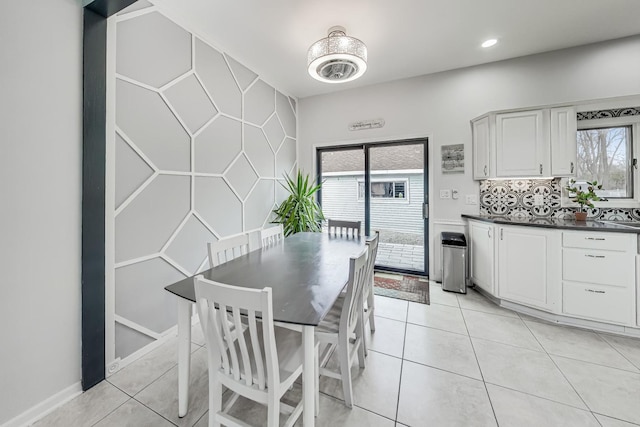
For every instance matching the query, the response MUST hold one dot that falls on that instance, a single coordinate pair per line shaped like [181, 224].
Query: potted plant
[578, 195]
[300, 211]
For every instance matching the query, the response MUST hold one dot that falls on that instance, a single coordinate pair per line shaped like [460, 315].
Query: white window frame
[634, 202]
[405, 199]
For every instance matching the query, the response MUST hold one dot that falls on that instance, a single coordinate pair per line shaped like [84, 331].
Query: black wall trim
[93, 187]
[106, 8]
[93, 199]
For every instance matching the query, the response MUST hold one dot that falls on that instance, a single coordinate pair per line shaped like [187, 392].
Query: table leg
[184, 354]
[308, 376]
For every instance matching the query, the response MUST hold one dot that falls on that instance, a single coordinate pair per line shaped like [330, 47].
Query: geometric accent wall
[200, 145]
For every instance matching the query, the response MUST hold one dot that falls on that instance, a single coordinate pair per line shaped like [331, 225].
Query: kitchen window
[606, 155]
[385, 190]
[607, 149]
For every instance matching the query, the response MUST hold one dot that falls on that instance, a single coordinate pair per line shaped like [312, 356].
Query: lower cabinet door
[603, 303]
[482, 255]
[529, 266]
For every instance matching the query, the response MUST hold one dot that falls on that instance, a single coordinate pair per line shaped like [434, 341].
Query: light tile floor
[460, 362]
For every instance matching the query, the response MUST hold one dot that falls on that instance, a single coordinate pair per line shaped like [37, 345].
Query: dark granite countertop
[565, 224]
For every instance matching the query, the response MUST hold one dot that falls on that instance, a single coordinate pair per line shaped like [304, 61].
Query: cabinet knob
[571, 167]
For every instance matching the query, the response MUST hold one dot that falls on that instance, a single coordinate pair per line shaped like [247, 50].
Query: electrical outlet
[538, 200]
[445, 194]
[471, 199]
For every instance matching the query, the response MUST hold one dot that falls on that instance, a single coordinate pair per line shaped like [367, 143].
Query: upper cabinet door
[481, 137]
[563, 141]
[522, 144]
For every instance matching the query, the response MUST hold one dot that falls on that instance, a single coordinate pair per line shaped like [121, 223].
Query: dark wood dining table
[307, 272]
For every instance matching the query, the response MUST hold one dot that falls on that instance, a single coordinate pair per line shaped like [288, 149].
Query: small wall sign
[366, 124]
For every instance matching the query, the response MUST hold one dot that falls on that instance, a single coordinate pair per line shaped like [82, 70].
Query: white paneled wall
[199, 144]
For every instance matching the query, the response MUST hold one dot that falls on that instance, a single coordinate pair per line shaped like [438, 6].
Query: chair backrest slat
[353, 299]
[257, 352]
[225, 250]
[344, 228]
[229, 339]
[244, 351]
[271, 236]
[213, 332]
[214, 301]
[372, 253]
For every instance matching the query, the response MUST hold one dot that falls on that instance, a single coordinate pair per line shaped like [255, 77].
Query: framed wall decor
[452, 158]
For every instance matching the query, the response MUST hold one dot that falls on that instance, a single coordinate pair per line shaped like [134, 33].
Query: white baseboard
[45, 407]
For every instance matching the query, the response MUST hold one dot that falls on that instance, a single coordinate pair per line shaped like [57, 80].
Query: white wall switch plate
[454, 194]
[445, 194]
[538, 200]
[471, 199]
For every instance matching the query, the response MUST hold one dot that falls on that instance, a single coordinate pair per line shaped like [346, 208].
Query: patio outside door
[384, 186]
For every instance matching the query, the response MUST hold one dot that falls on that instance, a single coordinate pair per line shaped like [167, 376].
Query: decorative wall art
[452, 158]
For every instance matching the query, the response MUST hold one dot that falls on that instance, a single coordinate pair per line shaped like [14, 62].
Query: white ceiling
[405, 38]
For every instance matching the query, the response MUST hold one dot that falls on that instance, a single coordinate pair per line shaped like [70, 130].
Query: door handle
[571, 167]
[425, 210]
[489, 232]
[540, 168]
[485, 170]
[501, 230]
[594, 256]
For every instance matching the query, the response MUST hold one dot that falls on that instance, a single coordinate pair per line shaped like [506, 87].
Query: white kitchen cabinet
[482, 248]
[599, 276]
[563, 129]
[522, 144]
[529, 266]
[481, 138]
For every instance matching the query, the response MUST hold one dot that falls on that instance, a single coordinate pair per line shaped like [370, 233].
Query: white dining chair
[343, 228]
[260, 364]
[368, 296]
[341, 330]
[271, 236]
[224, 250]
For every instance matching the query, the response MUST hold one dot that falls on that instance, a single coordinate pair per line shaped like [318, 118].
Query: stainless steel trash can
[454, 262]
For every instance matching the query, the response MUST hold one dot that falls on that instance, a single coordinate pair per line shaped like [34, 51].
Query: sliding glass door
[384, 186]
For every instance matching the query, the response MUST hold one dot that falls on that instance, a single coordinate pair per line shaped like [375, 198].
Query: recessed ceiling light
[489, 43]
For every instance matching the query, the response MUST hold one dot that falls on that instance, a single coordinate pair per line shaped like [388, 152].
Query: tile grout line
[114, 409]
[437, 329]
[404, 344]
[614, 418]
[539, 397]
[559, 370]
[507, 344]
[618, 351]
[141, 403]
[480, 369]
[637, 371]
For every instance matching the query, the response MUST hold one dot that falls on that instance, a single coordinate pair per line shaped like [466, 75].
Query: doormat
[409, 288]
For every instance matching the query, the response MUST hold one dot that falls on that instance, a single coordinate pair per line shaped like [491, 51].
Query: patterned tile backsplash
[516, 198]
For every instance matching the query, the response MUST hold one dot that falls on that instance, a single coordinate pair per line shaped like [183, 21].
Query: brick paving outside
[410, 257]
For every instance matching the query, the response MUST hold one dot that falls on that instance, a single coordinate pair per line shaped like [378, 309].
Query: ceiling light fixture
[337, 58]
[489, 43]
